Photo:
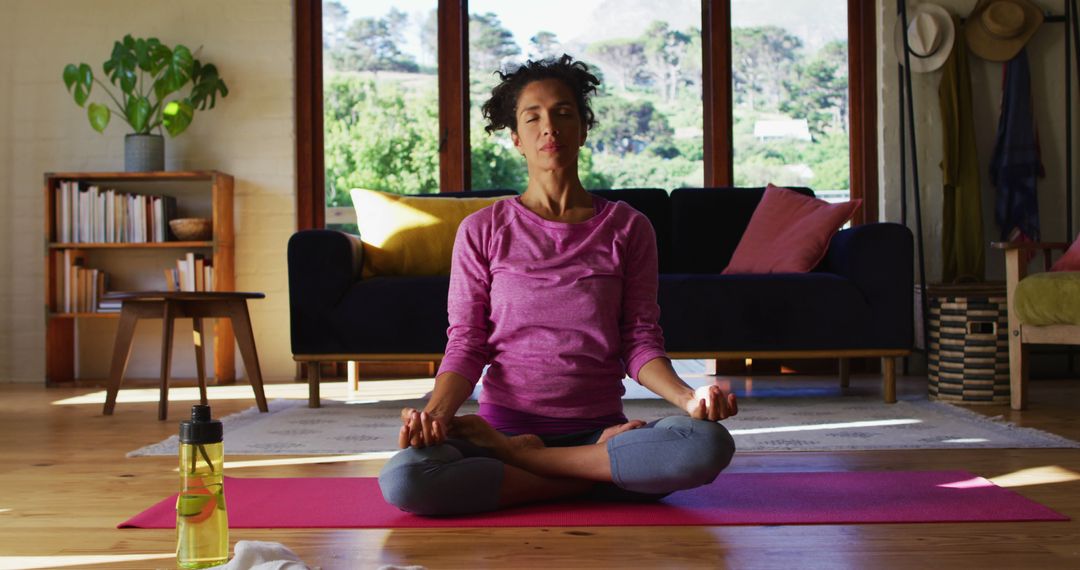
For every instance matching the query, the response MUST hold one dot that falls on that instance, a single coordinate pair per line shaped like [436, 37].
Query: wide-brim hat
[931, 36]
[998, 29]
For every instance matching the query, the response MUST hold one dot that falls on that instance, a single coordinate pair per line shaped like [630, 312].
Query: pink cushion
[788, 233]
[1071, 260]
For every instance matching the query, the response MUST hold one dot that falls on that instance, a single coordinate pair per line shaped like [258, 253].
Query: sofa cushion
[788, 233]
[799, 311]
[410, 235]
[1051, 298]
[656, 205]
[707, 223]
[390, 315]
[1071, 260]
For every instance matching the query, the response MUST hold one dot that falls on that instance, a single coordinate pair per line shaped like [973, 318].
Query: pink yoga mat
[733, 499]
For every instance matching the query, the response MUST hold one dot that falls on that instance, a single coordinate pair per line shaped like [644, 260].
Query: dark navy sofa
[856, 303]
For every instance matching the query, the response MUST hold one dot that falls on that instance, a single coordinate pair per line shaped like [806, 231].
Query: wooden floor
[65, 483]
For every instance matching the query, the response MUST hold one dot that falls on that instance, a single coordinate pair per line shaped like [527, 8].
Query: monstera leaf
[138, 114]
[207, 86]
[177, 72]
[99, 116]
[177, 116]
[81, 79]
[121, 65]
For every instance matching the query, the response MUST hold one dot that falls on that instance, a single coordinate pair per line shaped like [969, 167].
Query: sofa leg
[1018, 370]
[314, 375]
[845, 372]
[888, 378]
[354, 375]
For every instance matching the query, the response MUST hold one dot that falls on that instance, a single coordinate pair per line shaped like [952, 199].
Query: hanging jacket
[963, 253]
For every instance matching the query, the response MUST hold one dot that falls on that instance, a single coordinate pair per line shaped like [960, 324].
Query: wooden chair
[1022, 335]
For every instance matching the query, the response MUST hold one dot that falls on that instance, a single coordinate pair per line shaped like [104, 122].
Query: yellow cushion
[408, 235]
[1051, 298]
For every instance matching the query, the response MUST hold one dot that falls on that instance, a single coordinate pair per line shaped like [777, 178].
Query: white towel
[260, 555]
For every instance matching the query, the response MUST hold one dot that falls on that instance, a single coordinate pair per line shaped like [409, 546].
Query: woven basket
[968, 358]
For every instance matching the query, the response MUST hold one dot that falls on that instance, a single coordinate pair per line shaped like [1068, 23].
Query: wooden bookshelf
[160, 245]
[204, 191]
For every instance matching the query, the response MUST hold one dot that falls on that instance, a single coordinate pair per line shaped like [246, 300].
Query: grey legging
[647, 463]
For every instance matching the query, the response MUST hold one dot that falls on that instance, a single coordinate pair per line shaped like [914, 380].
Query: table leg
[314, 372]
[166, 357]
[200, 357]
[121, 352]
[246, 340]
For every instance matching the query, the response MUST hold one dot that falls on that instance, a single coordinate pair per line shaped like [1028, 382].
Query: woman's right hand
[421, 429]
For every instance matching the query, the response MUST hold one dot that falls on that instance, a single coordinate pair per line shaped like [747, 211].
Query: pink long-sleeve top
[560, 311]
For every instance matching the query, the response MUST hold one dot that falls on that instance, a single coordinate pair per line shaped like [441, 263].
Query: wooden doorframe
[310, 170]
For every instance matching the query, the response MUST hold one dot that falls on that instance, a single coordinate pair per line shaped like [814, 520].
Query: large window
[712, 93]
[648, 109]
[380, 100]
[790, 91]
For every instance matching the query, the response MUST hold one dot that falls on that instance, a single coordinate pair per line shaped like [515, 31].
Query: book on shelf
[80, 287]
[109, 305]
[193, 272]
[86, 213]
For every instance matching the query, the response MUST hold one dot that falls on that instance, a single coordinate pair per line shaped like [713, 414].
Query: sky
[524, 20]
[822, 19]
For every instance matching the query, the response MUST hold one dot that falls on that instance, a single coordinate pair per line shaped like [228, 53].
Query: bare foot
[476, 430]
[526, 441]
[617, 429]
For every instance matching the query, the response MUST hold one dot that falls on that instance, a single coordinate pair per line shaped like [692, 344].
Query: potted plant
[150, 77]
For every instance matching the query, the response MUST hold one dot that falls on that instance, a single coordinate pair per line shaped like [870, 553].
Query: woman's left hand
[710, 403]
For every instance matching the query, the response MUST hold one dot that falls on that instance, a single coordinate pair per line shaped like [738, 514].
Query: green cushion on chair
[1049, 299]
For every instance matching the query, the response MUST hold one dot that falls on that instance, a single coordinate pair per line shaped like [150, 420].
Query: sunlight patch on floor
[368, 456]
[370, 391]
[818, 427]
[975, 483]
[966, 440]
[30, 562]
[1044, 475]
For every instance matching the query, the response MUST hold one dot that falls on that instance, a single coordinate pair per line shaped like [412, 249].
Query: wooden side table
[172, 305]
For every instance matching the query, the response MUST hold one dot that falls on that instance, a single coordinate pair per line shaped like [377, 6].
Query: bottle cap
[200, 429]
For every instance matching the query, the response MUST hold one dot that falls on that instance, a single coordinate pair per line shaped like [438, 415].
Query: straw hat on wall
[998, 29]
[930, 37]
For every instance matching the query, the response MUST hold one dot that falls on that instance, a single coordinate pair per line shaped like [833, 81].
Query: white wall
[1045, 51]
[250, 135]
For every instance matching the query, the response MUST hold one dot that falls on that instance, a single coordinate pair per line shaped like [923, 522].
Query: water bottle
[202, 524]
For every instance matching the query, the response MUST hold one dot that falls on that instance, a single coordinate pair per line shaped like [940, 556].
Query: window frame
[454, 151]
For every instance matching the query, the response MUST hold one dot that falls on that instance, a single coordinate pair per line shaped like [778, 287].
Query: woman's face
[549, 127]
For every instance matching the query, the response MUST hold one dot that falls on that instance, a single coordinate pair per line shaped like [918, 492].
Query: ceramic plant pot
[144, 153]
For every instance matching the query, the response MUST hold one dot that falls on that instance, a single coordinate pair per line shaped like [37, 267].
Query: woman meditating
[556, 291]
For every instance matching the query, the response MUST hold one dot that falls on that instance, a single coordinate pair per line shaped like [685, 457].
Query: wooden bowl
[191, 229]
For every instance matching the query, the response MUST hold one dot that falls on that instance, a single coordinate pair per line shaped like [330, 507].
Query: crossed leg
[534, 472]
[500, 471]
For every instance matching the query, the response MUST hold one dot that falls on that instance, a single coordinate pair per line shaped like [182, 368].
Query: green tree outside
[381, 109]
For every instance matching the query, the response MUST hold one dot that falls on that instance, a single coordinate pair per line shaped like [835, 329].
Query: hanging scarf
[1016, 163]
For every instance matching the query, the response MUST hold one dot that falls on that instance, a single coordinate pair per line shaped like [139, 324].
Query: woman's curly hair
[500, 109]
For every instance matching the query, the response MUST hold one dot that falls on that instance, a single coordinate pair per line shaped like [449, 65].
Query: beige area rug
[763, 424]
